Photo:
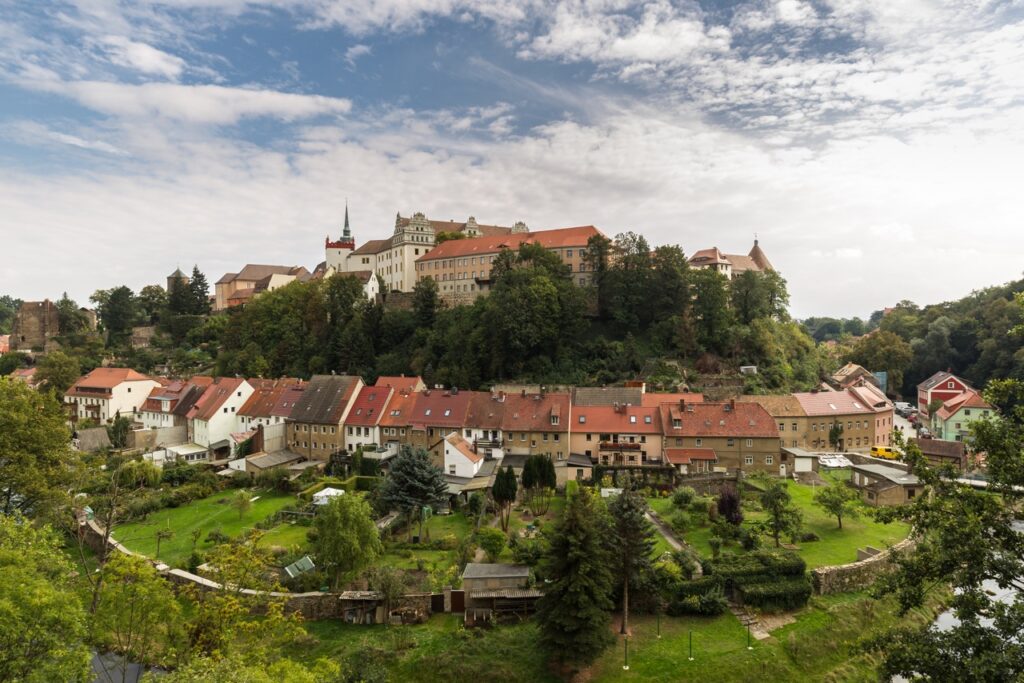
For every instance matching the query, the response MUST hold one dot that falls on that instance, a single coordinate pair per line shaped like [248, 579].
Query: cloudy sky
[876, 147]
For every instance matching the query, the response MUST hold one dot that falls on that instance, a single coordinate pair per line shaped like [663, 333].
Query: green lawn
[819, 646]
[206, 515]
[285, 535]
[834, 547]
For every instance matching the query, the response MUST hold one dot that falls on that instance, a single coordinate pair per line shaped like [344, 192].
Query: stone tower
[178, 276]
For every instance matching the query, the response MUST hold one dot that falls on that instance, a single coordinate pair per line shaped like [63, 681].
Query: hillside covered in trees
[648, 315]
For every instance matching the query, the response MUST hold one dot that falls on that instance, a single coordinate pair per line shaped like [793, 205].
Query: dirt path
[665, 531]
[480, 555]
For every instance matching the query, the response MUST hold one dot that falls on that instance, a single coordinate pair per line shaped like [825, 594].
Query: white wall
[463, 466]
[224, 421]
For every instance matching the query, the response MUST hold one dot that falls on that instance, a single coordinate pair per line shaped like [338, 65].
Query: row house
[315, 425]
[271, 402]
[434, 415]
[168, 405]
[460, 458]
[214, 417]
[362, 427]
[865, 415]
[105, 393]
[537, 424]
[619, 434]
[731, 435]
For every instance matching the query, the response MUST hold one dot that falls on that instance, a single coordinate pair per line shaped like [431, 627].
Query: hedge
[770, 563]
[353, 483]
[781, 594]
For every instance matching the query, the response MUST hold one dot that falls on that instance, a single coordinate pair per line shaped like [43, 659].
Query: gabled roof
[253, 272]
[938, 378]
[479, 570]
[872, 396]
[612, 420]
[968, 399]
[271, 398]
[214, 397]
[550, 239]
[369, 406]
[829, 403]
[737, 420]
[607, 396]
[784, 405]
[456, 441]
[708, 256]
[399, 409]
[533, 413]
[486, 411]
[896, 476]
[401, 382]
[324, 399]
[455, 226]
[372, 247]
[102, 381]
[440, 408]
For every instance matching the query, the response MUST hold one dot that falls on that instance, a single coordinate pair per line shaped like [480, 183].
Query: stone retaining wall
[856, 575]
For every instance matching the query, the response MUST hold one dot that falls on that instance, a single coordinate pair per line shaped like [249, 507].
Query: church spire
[347, 233]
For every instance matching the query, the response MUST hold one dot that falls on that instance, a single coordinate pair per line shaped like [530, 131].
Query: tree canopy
[347, 540]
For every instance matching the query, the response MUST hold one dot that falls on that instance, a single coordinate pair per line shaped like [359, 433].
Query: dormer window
[447, 412]
[647, 419]
[677, 424]
[632, 419]
[583, 419]
[554, 419]
[427, 412]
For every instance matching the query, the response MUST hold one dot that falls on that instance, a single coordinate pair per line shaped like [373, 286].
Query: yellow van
[886, 452]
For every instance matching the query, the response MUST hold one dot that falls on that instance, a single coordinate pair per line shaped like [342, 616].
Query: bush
[492, 541]
[716, 546]
[781, 594]
[700, 598]
[240, 480]
[571, 488]
[683, 496]
[525, 552]
[773, 564]
[808, 537]
[749, 540]
[729, 506]
[680, 522]
[216, 536]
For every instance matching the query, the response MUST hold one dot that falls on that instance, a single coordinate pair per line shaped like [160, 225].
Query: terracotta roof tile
[370, 404]
[684, 456]
[214, 397]
[462, 446]
[737, 420]
[532, 412]
[271, 398]
[816, 404]
[621, 420]
[550, 239]
[401, 383]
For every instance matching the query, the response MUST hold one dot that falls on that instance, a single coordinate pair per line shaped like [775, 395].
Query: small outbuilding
[324, 496]
[494, 591]
[882, 485]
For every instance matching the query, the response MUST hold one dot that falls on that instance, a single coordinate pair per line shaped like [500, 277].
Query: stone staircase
[748, 619]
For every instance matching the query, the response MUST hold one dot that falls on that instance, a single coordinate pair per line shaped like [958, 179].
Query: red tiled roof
[968, 399]
[370, 404]
[624, 419]
[550, 239]
[825, 403]
[401, 383]
[712, 255]
[399, 410]
[271, 398]
[739, 420]
[440, 408]
[463, 447]
[108, 378]
[684, 456]
[533, 412]
[214, 397]
[653, 400]
[486, 411]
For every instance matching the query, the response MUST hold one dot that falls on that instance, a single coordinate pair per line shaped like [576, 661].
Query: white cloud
[204, 104]
[142, 57]
[355, 52]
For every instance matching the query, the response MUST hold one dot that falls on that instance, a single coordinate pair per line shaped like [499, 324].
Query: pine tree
[574, 612]
[200, 291]
[504, 492]
[179, 298]
[632, 542]
[413, 483]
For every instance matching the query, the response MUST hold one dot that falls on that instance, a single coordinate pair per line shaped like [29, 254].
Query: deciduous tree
[783, 515]
[838, 500]
[347, 539]
[57, 370]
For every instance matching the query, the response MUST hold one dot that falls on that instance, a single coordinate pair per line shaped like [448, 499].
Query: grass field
[836, 546]
[206, 514]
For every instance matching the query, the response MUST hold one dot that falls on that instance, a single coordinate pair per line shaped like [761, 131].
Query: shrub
[240, 480]
[703, 597]
[761, 563]
[729, 506]
[749, 540]
[448, 542]
[780, 594]
[716, 546]
[217, 536]
[195, 559]
[571, 488]
[526, 552]
[680, 522]
[492, 541]
[683, 496]
[808, 537]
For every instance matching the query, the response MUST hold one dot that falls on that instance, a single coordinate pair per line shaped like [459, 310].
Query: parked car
[923, 433]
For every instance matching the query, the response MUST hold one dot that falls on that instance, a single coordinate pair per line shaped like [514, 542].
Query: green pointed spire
[347, 233]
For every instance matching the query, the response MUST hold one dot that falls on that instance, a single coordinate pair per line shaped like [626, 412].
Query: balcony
[619, 446]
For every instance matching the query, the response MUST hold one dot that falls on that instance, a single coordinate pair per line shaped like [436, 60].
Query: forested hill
[649, 314]
[973, 336]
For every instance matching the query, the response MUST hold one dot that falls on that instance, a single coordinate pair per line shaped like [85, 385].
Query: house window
[589, 436]
[730, 442]
[451, 469]
[782, 426]
[967, 411]
[912, 492]
[632, 419]
[533, 443]
[522, 437]
[647, 419]
[583, 419]
[748, 460]
[750, 442]
[949, 385]
[545, 436]
[554, 419]
[557, 437]
[427, 412]
[769, 460]
[699, 442]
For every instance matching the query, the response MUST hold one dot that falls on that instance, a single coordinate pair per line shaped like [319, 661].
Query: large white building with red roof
[731, 265]
[106, 393]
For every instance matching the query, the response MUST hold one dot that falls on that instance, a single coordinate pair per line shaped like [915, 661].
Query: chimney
[682, 404]
[524, 393]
